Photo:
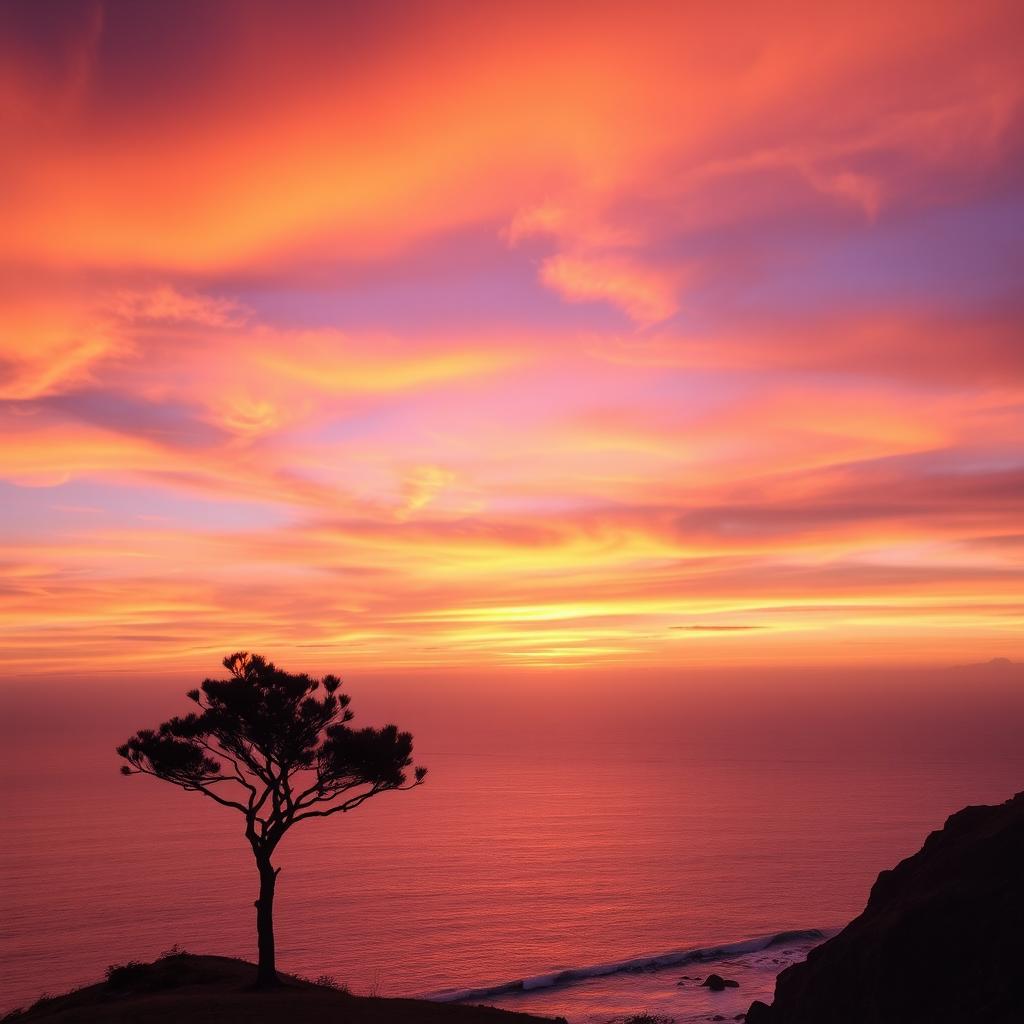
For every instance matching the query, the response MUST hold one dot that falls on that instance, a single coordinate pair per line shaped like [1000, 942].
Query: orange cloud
[645, 295]
[165, 302]
[44, 349]
[453, 121]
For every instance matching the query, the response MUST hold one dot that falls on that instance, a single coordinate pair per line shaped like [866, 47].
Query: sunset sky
[463, 335]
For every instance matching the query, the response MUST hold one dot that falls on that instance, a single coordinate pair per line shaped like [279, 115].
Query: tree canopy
[261, 730]
[277, 748]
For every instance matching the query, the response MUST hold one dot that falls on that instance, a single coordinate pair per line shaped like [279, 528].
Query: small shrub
[175, 950]
[330, 981]
[125, 975]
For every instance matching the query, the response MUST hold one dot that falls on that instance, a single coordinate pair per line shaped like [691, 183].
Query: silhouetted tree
[268, 746]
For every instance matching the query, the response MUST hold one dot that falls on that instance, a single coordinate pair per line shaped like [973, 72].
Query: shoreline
[561, 977]
[546, 983]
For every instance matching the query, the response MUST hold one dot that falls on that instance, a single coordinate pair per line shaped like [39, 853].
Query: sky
[475, 336]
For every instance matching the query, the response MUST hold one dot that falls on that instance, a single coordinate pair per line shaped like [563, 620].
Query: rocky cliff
[941, 940]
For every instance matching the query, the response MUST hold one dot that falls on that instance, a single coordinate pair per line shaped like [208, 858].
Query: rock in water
[941, 940]
[717, 983]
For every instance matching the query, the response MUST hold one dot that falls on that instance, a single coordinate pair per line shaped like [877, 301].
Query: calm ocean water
[509, 864]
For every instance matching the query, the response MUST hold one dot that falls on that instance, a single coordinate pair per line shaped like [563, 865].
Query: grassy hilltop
[218, 990]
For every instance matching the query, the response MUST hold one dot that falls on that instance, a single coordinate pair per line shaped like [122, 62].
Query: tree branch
[325, 793]
[353, 802]
[218, 752]
[195, 785]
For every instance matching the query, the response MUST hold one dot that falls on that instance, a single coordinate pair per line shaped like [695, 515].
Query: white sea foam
[672, 958]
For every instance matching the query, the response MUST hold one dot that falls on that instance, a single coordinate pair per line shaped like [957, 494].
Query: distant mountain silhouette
[993, 669]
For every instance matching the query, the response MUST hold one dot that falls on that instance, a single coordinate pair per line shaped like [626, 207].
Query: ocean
[596, 875]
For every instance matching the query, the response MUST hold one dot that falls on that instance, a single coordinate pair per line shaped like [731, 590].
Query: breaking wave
[674, 958]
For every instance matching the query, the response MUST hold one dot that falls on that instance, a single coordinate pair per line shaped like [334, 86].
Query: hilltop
[218, 990]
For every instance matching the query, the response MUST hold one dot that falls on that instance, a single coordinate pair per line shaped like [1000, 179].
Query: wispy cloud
[592, 338]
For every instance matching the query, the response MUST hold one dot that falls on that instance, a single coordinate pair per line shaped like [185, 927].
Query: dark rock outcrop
[941, 940]
[717, 983]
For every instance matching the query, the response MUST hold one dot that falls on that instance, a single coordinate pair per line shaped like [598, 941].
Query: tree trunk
[266, 974]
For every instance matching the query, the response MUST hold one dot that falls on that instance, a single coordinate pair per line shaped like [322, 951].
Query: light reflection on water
[503, 866]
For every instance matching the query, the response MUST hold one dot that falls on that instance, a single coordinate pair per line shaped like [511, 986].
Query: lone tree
[268, 746]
